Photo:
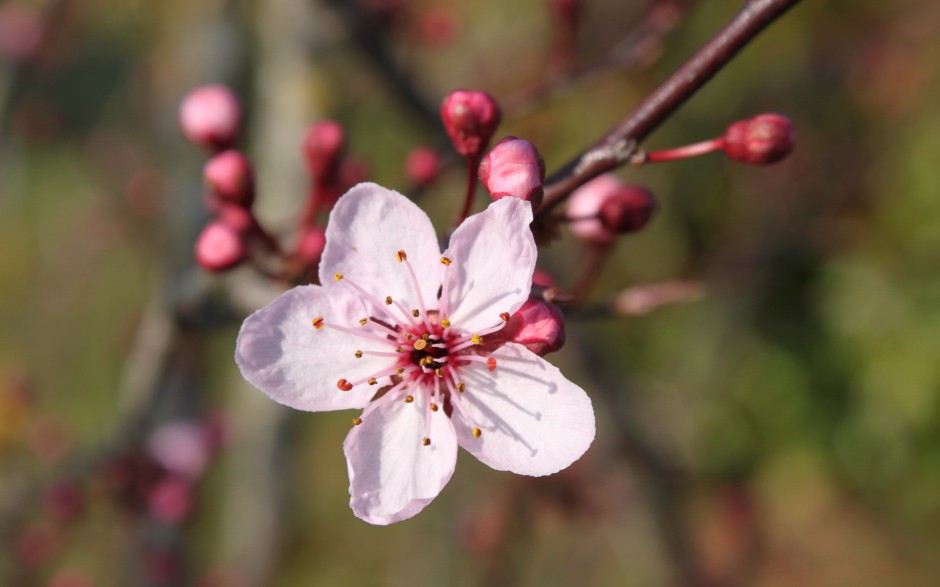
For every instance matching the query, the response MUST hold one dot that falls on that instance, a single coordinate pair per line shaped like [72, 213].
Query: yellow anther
[409, 336]
[318, 323]
[400, 370]
[433, 407]
[358, 354]
[372, 381]
[446, 261]
[363, 321]
[420, 344]
[439, 372]
[415, 313]
[445, 323]
[388, 300]
[409, 399]
[424, 362]
[400, 350]
[338, 276]
[505, 316]
[477, 432]
[461, 387]
[476, 339]
[357, 421]
[402, 256]
[425, 337]
[426, 441]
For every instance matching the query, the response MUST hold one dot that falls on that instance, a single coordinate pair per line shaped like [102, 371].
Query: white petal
[493, 256]
[392, 475]
[533, 420]
[367, 228]
[282, 354]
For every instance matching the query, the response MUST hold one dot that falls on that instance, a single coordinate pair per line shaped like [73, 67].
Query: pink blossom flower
[396, 329]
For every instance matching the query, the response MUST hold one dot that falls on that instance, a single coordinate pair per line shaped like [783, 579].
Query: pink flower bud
[21, 31]
[628, 209]
[181, 447]
[323, 148]
[211, 117]
[171, 500]
[543, 278]
[470, 119]
[761, 140]
[235, 217]
[514, 168]
[584, 208]
[220, 247]
[422, 166]
[230, 177]
[310, 246]
[538, 326]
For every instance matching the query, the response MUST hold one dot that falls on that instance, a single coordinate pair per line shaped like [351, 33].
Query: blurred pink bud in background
[21, 31]
[231, 178]
[422, 166]
[181, 447]
[323, 147]
[211, 117]
[220, 247]
[628, 209]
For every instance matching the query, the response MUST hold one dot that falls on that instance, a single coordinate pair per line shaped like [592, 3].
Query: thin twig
[616, 147]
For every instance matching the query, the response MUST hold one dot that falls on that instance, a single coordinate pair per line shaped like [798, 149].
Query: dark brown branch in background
[370, 39]
[615, 148]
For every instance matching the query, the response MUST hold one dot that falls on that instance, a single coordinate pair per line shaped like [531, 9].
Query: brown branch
[615, 148]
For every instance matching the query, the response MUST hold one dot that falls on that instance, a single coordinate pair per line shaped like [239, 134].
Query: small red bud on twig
[470, 119]
[538, 326]
[604, 207]
[762, 140]
[211, 117]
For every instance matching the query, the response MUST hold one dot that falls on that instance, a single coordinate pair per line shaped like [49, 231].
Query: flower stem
[472, 163]
[684, 152]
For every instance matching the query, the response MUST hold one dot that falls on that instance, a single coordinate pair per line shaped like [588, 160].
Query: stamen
[475, 339]
[402, 256]
[457, 402]
[434, 407]
[415, 313]
[409, 399]
[338, 276]
[420, 344]
[372, 381]
[414, 281]
[426, 441]
[476, 432]
[318, 323]
[363, 321]
[491, 364]
[380, 354]
[400, 370]
[505, 316]
[461, 387]
[358, 354]
[344, 385]
[355, 332]
[446, 261]
[371, 298]
[445, 323]
[357, 421]
[388, 300]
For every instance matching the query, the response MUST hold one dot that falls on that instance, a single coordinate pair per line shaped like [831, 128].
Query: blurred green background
[784, 429]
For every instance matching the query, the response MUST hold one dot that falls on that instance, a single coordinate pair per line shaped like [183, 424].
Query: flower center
[428, 354]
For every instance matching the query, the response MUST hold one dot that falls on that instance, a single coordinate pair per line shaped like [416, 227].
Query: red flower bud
[64, 502]
[543, 278]
[470, 119]
[220, 247]
[22, 31]
[422, 166]
[605, 207]
[514, 168]
[761, 140]
[538, 326]
[230, 177]
[211, 117]
[323, 148]
[171, 500]
[310, 246]
[628, 209]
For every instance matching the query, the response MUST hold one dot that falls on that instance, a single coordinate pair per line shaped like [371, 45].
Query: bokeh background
[781, 429]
